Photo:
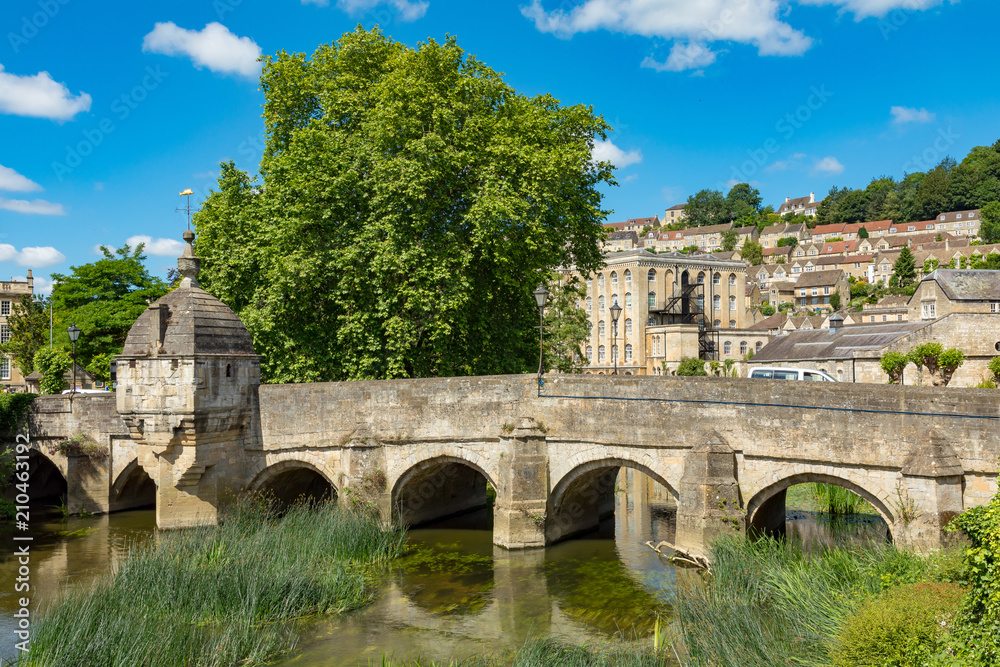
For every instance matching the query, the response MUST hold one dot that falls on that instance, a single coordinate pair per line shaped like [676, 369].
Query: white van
[775, 373]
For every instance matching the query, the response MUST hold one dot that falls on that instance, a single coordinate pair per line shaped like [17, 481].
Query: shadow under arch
[292, 481]
[439, 488]
[46, 483]
[586, 494]
[133, 488]
[766, 509]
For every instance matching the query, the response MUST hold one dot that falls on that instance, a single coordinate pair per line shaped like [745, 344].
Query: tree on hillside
[989, 223]
[975, 182]
[706, 207]
[787, 241]
[104, 299]
[744, 202]
[28, 324]
[409, 202]
[933, 196]
[904, 270]
[752, 253]
[862, 233]
[730, 238]
[882, 200]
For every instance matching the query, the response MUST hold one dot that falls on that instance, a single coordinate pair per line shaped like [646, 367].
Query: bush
[994, 367]
[13, 410]
[52, 364]
[893, 363]
[691, 366]
[80, 444]
[899, 629]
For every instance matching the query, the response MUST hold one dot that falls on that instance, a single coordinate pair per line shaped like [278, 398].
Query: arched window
[701, 302]
[716, 279]
[743, 347]
[652, 299]
[600, 353]
[732, 278]
[614, 353]
[732, 303]
[590, 353]
[590, 305]
[614, 279]
[628, 276]
[701, 278]
[732, 324]
[758, 346]
[727, 348]
[628, 353]
[717, 301]
[601, 328]
[840, 375]
[628, 299]
[651, 322]
[651, 276]
[628, 326]
[614, 299]
[600, 281]
[600, 302]
[716, 324]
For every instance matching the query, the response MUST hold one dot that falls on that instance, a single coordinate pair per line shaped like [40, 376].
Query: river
[455, 594]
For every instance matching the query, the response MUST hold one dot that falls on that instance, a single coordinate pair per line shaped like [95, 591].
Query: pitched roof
[774, 229]
[781, 250]
[870, 227]
[794, 229]
[967, 284]
[840, 343]
[677, 207]
[707, 229]
[797, 202]
[954, 216]
[838, 247]
[775, 321]
[828, 229]
[643, 222]
[621, 236]
[819, 278]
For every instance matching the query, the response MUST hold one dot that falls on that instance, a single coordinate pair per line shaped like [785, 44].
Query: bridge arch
[132, 488]
[586, 494]
[765, 509]
[440, 486]
[290, 480]
[47, 478]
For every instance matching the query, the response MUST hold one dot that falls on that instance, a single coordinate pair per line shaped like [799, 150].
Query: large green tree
[567, 326]
[706, 207]
[408, 203]
[104, 299]
[752, 253]
[904, 269]
[29, 331]
[989, 223]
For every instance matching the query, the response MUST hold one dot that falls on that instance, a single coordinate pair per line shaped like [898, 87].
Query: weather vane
[187, 209]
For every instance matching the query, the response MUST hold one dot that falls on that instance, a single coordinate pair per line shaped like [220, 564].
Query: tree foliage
[904, 269]
[730, 238]
[752, 253]
[893, 363]
[104, 299]
[29, 328]
[409, 202]
[989, 223]
[567, 326]
[691, 366]
[52, 364]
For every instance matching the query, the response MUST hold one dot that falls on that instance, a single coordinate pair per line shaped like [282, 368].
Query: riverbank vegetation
[827, 498]
[219, 595]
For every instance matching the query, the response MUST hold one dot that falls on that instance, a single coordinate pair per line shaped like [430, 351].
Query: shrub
[893, 363]
[950, 361]
[80, 444]
[899, 629]
[691, 366]
[52, 364]
[13, 410]
[995, 368]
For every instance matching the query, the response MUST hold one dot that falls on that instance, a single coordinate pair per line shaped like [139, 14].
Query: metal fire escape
[688, 307]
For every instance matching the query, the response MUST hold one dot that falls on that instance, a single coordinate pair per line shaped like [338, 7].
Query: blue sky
[109, 109]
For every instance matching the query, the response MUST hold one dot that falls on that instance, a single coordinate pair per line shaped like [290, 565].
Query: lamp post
[541, 296]
[616, 312]
[73, 334]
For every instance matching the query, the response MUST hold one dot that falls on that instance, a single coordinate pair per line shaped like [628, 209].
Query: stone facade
[11, 291]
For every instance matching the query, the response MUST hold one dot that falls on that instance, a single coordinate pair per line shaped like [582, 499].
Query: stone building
[800, 206]
[11, 292]
[673, 306]
[813, 290]
[948, 291]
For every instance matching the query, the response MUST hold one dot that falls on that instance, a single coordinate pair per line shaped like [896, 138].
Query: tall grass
[838, 500]
[775, 603]
[219, 595]
[553, 653]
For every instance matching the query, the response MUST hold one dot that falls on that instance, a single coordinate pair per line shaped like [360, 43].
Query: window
[884, 318]
[651, 276]
[651, 322]
[732, 278]
[826, 290]
[590, 353]
[600, 281]
[743, 347]
[732, 324]
[716, 302]
[727, 347]
[601, 328]
[4, 308]
[701, 302]
[4, 333]
[628, 353]
[810, 268]
[716, 279]
[717, 324]
[802, 292]
[656, 344]
[652, 299]
[899, 318]
[958, 217]
[590, 305]
[628, 327]
[701, 278]
[628, 276]
[732, 303]
[628, 299]
[614, 299]
[995, 306]
[872, 318]
[911, 228]
[600, 353]
[614, 279]
[4, 369]
[758, 346]
[815, 301]
[815, 292]
[600, 302]
[796, 269]
[928, 311]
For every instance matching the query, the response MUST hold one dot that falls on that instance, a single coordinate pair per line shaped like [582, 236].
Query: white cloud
[605, 150]
[39, 96]
[863, 9]
[14, 182]
[33, 207]
[213, 47]
[828, 165]
[164, 247]
[409, 10]
[36, 258]
[683, 56]
[904, 115]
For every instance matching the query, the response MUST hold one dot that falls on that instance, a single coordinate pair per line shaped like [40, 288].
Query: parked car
[776, 373]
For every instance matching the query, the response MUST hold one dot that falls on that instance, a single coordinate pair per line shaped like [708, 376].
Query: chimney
[812, 197]
[787, 199]
[836, 321]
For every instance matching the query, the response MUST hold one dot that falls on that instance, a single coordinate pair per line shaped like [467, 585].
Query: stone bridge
[190, 425]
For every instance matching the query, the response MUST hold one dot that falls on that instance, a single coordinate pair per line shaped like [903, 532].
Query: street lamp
[541, 296]
[73, 334]
[38, 301]
[616, 312]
